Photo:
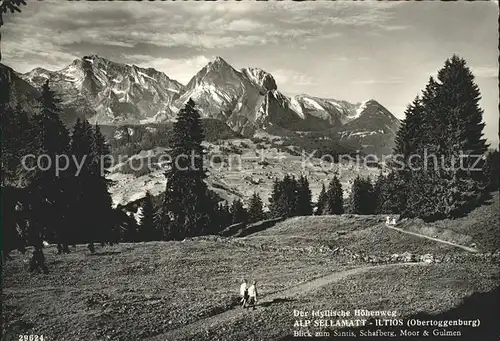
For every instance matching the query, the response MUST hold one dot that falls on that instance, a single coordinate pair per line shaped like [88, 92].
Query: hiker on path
[244, 292]
[252, 295]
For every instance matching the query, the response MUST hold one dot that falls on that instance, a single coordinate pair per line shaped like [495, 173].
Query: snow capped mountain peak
[38, 75]
[218, 62]
[110, 92]
[261, 78]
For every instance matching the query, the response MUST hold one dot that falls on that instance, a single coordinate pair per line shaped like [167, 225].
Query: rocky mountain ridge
[247, 100]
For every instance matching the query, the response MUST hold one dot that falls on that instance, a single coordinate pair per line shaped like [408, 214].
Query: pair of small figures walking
[248, 294]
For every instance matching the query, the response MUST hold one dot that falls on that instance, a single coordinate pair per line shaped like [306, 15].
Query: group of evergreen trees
[331, 201]
[290, 197]
[40, 202]
[437, 170]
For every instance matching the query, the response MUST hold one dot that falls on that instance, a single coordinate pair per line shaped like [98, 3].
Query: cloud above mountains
[346, 50]
[62, 28]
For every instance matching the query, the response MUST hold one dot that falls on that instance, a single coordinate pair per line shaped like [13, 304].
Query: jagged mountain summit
[109, 92]
[247, 100]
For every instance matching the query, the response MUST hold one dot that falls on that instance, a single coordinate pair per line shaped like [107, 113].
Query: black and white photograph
[249, 170]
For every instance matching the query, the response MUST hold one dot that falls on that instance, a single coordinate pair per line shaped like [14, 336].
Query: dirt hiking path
[432, 238]
[237, 313]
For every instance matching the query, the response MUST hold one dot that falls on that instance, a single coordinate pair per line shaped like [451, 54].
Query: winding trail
[237, 313]
[434, 239]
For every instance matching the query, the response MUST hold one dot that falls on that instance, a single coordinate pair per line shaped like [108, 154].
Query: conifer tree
[102, 202]
[238, 212]
[49, 195]
[277, 204]
[443, 130]
[255, 209]
[361, 197]
[224, 217]
[335, 197]
[283, 200]
[147, 226]
[322, 201]
[290, 196]
[304, 197]
[161, 223]
[492, 170]
[82, 203]
[389, 194]
[186, 191]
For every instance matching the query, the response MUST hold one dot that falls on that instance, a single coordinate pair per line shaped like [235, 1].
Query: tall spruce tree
[304, 197]
[147, 225]
[450, 121]
[283, 200]
[82, 204]
[277, 204]
[90, 188]
[102, 202]
[361, 197]
[186, 191]
[322, 201]
[335, 197]
[48, 191]
[290, 196]
[255, 209]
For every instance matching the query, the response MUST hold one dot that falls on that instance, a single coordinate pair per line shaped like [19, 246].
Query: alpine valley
[243, 107]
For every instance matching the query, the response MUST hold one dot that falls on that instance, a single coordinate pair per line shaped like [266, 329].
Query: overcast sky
[344, 50]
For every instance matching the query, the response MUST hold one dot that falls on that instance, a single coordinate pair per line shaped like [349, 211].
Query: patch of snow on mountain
[295, 106]
[312, 103]
[365, 133]
[252, 74]
[144, 75]
[118, 92]
[338, 106]
[360, 109]
[216, 94]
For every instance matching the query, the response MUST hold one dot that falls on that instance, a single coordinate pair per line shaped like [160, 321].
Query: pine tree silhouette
[361, 197]
[48, 192]
[335, 197]
[322, 201]
[255, 209]
[446, 123]
[186, 192]
[238, 212]
[102, 202]
[147, 225]
[304, 197]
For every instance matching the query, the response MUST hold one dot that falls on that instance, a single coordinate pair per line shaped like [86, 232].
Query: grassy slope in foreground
[407, 289]
[136, 291]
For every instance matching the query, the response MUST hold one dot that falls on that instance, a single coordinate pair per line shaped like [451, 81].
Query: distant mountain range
[247, 100]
